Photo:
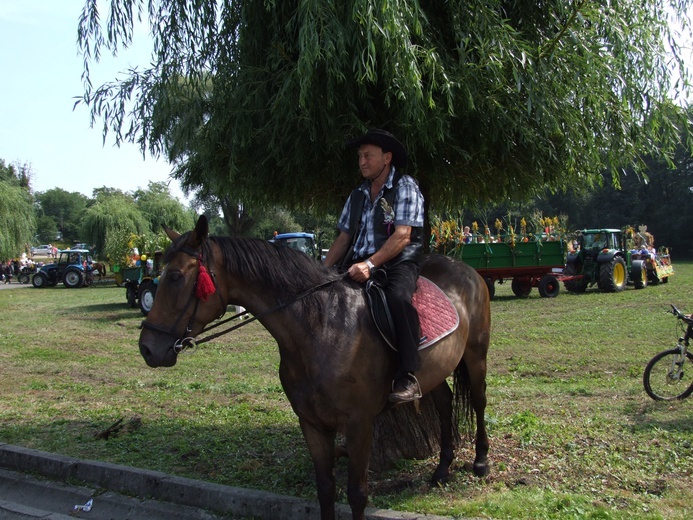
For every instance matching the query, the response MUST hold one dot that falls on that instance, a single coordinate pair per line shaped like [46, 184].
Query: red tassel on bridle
[205, 285]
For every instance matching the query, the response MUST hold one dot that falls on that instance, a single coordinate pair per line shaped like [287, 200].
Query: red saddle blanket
[438, 317]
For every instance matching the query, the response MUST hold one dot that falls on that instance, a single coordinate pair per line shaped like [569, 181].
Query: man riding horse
[333, 366]
[381, 227]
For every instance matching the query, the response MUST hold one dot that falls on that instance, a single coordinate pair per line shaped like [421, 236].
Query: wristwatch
[369, 264]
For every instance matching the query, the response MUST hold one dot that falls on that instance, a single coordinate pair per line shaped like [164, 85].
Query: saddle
[438, 317]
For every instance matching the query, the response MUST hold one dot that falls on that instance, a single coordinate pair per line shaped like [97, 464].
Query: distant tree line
[62, 218]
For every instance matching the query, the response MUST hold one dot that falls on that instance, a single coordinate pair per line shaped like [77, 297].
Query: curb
[182, 491]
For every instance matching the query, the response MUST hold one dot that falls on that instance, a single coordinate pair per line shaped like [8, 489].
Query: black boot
[405, 389]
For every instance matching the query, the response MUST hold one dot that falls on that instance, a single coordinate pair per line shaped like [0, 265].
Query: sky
[41, 70]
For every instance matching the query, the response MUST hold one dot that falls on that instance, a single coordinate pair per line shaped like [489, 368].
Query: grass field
[573, 435]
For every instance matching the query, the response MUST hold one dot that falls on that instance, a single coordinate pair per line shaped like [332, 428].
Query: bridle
[188, 342]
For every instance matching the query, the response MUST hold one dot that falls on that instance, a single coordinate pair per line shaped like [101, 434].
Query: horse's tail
[462, 409]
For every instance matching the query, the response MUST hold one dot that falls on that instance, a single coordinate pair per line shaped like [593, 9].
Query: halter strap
[186, 341]
[200, 261]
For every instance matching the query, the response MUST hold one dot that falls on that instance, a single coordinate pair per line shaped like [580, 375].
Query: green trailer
[141, 281]
[528, 262]
[123, 275]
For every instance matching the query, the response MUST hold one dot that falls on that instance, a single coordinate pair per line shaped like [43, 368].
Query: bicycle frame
[668, 375]
[676, 370]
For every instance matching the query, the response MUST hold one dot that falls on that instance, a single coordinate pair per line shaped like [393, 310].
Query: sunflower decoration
[499, 227]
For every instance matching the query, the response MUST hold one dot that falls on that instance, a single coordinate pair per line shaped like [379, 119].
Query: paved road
[14, 285]
[24, 496]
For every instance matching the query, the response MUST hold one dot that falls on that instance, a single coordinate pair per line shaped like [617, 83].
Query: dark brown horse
[335, 368]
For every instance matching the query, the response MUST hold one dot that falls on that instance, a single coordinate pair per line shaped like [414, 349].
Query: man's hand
[360, 272]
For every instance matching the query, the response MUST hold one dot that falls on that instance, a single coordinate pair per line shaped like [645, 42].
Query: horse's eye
[175, 276]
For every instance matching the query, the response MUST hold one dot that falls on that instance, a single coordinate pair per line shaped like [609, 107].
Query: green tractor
[602, 258]
[142, 281]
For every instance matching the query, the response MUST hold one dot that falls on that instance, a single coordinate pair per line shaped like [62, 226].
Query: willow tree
[17, 215]
[160, 208]
[112, 213]
[17, 220]
[494, 99]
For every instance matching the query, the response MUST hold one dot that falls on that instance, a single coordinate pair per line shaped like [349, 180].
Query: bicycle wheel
[668, 376]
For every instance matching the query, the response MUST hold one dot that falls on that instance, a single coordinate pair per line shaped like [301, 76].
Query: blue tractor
[73, 269]
[304, 242]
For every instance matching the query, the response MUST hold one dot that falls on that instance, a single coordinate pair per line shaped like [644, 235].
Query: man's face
[372, 160]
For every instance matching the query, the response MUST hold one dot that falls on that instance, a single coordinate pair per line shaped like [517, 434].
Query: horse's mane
[280, 267]
[286, 270]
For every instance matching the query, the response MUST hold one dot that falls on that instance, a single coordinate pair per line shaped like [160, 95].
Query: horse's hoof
[340, 451]
[440, 477]
[481, 469]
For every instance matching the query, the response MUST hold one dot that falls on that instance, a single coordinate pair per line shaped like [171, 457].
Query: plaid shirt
[408, 209]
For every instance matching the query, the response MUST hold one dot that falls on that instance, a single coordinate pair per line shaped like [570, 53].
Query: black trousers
[401, 284]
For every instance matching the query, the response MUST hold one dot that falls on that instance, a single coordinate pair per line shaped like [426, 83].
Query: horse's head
[187, 298]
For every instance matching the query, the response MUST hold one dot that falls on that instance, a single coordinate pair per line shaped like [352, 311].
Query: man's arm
[338, 249]
[391, 248]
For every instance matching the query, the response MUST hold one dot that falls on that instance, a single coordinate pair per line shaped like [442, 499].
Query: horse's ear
[171, 234]
[199, 234]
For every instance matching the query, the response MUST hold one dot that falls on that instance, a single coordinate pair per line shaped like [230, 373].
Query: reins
[188, 342]
[192, 342]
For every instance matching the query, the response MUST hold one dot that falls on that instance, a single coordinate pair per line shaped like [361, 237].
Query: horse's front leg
[359, 439]
[321, 448]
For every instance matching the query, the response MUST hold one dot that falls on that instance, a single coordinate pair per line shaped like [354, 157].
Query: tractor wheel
[131, 294]
[578, 285]
[73, 278]
[549, 286]
[491, 288]
[521, 287]
[612, 275]
[23, 278]
[39, 280]
[652, 277]
[147, 292]
[638, 274]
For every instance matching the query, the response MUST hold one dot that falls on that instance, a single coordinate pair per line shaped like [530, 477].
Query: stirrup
[411, 377]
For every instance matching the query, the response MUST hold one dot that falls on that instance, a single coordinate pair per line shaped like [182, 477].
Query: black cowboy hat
[384, 140]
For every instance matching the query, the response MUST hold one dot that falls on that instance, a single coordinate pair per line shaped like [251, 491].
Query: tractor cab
[304, 242]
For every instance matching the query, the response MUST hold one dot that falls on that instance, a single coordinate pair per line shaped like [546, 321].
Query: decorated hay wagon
[527, 259]
[535, 263]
